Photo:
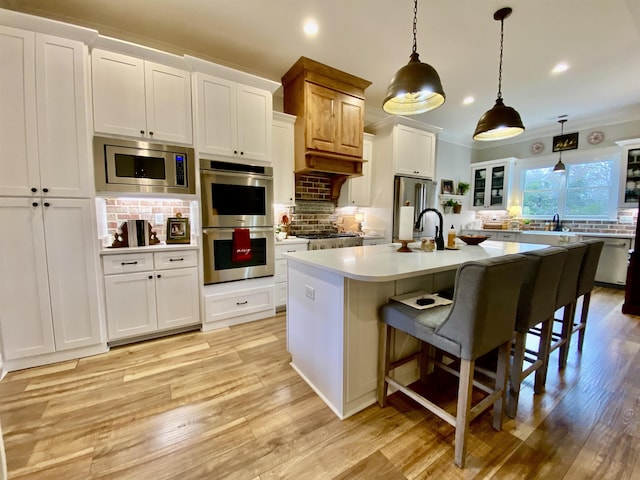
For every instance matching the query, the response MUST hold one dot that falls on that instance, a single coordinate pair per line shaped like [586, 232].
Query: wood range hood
[329, 109]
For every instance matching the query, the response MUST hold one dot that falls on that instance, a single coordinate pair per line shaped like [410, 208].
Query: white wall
[453, 163]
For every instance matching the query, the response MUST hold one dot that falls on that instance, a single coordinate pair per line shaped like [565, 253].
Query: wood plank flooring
[227, 405]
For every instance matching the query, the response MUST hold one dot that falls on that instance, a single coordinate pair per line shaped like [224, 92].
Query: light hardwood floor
[227, 405]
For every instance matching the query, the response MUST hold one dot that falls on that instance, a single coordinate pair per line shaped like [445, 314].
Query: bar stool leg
[464, 406]
[586, 300]
[502, 374]
[567, 330]
[543, 356]
[515, 376]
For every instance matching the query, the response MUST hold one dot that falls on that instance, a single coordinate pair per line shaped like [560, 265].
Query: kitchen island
[333, 299]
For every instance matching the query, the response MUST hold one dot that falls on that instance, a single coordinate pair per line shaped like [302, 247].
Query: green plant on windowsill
[463, 188]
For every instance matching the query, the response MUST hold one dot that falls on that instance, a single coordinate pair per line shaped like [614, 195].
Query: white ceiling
[372, 39]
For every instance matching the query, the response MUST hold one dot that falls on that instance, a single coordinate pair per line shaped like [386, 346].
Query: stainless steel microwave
[143, 167]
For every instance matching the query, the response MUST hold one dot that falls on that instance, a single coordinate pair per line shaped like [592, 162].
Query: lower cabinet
[508, 236]
[48, 278]
[150, 292]
[280, 277]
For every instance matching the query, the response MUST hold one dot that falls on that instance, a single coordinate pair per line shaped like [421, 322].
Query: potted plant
[448, 205]
[463, 188]
[457, 207]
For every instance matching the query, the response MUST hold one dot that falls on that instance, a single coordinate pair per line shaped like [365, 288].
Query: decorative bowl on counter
[473, 239]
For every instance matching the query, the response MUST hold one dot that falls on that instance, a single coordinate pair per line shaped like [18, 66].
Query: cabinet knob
[159, 276]
[46, 204]
[235, 152]
[34, 204]
[45, 190]
[151, 134]
[34, 189]
[241, 153]
[150, 277]
[141, 132]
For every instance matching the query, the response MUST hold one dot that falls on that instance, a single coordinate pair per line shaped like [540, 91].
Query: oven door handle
[229, 231]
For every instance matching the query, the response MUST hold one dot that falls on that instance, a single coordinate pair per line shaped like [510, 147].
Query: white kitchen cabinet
[283, 159]
[149, 292]
[43, 119]
[280, 277]
[491, 184]
[48, 276]
[140, 99]
[372, 240]
[356, 191]
[234, 120]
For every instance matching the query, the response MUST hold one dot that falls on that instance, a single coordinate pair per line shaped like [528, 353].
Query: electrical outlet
[310, 292]
[626, 219]
[159, 219]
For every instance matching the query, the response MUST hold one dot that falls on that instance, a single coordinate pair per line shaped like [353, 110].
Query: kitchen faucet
[556, 221]
[439, 237]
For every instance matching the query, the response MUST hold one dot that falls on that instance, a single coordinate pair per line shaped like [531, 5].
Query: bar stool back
[480, 319]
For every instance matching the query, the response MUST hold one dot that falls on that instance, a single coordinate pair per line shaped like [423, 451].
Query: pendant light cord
[501, 51]
[415, 25]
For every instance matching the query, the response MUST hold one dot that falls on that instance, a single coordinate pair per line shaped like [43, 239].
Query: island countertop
[382, 263]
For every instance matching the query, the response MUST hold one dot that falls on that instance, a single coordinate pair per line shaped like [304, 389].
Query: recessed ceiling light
[468, 100]
[310, 28]
[560, 67]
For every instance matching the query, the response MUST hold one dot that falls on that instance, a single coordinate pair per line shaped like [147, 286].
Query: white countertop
[381, 263]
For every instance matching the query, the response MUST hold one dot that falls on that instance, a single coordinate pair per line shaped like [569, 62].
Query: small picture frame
[568, 141]
[178, 230]
[447, 187]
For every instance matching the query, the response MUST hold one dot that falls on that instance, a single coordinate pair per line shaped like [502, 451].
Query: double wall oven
[237, 221]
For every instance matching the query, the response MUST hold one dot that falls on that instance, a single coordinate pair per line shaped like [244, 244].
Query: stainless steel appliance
[614, 259]
[136, 166]
[336, 240]
[219, 265]
[421, 194]
[236, 197]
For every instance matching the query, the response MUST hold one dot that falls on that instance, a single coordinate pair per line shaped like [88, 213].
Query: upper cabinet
[329, 106]
[234, 119]
[490, 184]
[282, 148]
[140, 99]
[356, 192]
[410, 145]
[43, 119]
[629, 173]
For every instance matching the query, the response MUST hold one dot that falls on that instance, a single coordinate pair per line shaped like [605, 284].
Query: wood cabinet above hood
[329, 106]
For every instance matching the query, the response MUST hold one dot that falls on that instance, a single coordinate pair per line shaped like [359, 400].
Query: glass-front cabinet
[630, 175]
[490, 184]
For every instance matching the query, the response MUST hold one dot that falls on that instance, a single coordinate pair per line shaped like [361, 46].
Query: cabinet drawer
[175, 259]
[280, 249]
[127, 263]
[234, 304]
[508, 237]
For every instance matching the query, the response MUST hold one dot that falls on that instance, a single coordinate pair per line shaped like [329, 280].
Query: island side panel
[316, 340]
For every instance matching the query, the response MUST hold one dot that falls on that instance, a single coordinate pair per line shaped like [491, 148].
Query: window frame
[572, 158]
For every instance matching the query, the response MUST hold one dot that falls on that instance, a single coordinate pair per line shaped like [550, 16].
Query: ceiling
[600, 39]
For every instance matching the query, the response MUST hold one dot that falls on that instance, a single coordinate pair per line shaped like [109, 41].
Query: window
[588, 190]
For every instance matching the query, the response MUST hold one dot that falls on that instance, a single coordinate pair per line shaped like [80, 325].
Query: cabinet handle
[34, 189]
[46, 204]
[289, 251]
[130, 263]
[34, 204]
[45, 190]
[176, 259]
[242, 303]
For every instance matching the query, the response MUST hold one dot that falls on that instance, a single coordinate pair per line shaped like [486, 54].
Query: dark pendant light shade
[560, 167]
[501, 121]
[416, 87]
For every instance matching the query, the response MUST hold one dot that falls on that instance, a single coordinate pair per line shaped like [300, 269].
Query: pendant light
[560, 168]
[501, 121]
[416, 87]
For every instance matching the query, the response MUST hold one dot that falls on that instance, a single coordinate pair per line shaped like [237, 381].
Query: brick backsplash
[312, 217]
[121, 210]
[592, 226]
[315, 187]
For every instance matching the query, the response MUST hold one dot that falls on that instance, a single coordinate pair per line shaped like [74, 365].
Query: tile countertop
[382, 263]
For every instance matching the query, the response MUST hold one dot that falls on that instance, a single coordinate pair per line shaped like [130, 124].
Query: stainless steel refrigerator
[421, 194]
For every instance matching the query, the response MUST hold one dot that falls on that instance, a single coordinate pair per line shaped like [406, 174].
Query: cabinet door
[254, 114]
[118, 94]
[498, 187]
[168, 101]
[356, 191]
[479, 187]
[414, 152]
[283, 162]
[25, 316]
[321, 128]
[63, 139]
[73, 282]
[425, 151]
[217, 115]
[177, 297]
[350, 115]
[131, 304]
[18, 124]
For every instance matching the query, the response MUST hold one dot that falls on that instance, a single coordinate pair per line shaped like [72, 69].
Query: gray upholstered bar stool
[585, 286]
[480, 319]
[536, 305]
